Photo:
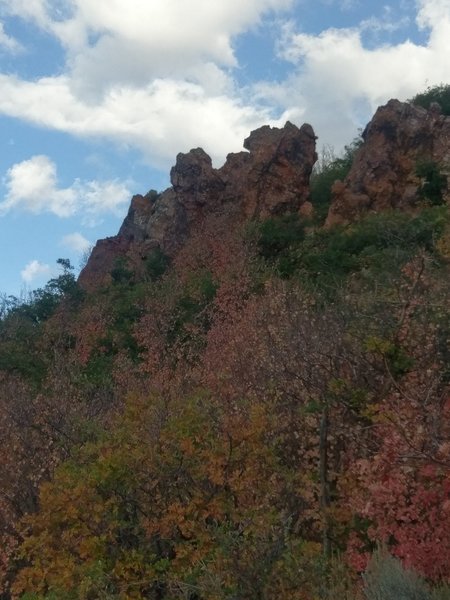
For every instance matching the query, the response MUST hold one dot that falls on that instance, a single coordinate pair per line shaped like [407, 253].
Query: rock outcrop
[384, 175]
[271, 178]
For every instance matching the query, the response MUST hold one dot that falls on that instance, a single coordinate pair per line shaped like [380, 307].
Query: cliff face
[271, 178]
[383, 176]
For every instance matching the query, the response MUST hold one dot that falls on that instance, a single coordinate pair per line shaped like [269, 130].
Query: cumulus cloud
[338, 82]
[155, 75]
[32, 186]
[160, 119]
[159, 76]
[76, 242]
[35, 270]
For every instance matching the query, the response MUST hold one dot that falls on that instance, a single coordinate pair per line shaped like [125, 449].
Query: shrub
[156, 264]
[434, 183]
[120, 273]
[191, 317]
[278, 238]
[278, 234]
[438, 93]
[386, 579]
[374, 248]
[326, 173]
[441, 593]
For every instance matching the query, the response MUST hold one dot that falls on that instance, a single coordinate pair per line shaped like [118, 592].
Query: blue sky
[98, 96]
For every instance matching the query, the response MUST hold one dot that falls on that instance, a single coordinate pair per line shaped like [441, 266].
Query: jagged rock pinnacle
[271, 178]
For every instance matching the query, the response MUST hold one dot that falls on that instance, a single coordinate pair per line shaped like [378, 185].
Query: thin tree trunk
[323, 476]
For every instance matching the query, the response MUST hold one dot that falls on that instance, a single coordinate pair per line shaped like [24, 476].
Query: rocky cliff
[386, 170]
[270, 178]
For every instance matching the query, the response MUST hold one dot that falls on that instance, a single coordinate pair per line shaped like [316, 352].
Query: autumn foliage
[250, 421]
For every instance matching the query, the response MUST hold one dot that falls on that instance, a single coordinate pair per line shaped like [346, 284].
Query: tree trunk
[323, 476]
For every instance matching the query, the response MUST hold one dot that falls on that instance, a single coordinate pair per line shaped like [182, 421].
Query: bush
[441, 593]
[191, 317]
[438, 93]
[278, 234]
[386, 579]
[369, 252]
[326, 173]
[434, 184]
[378, 244]
[120, 273]
[278, 238]
[156, 264]
[22, 322]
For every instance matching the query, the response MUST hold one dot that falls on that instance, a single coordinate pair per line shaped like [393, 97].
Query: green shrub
[98, 370]
[191, 308]
[441, 593]
[152, 195]
[120, 273]
[375, 247]
[156, 264]
[437, 93]
[386, 579]
[278, 234]
[434, 184]
[22, 322]
[330, 170]
[278, 238]
[397, 359]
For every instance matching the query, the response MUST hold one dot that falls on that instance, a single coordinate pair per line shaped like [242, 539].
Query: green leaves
[327, 171]
[397, 359]
[438, 93]
[376, 245]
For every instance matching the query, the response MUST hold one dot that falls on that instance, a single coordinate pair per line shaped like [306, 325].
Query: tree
[402, 488]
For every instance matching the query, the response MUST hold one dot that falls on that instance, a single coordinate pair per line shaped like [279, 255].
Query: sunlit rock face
[384, 174]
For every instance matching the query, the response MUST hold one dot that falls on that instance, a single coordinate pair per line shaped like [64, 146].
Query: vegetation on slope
[329, 169]
[251, 420]
[438, 93]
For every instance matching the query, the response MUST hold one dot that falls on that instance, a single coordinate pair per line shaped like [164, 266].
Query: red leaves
[404, 492]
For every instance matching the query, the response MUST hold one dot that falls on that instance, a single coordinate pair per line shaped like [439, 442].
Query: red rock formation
[271, 178]
[101, 262]
[195, 182]
[383, 175]
[134, 226]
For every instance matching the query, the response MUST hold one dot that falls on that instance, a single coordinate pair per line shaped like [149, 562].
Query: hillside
[246, 393]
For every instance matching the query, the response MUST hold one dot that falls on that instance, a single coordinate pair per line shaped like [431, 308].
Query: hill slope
[235, 401]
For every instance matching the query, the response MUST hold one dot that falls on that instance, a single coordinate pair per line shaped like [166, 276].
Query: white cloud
[161, 119]
[133, 42]
[337, 82]
[76, 242]
[158, 75]
[343, 4]
[433, 13]
[35, 270]
[31, 10]
[155, 75]
[32, 186]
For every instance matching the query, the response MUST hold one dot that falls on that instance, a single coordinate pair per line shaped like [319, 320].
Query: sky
[97, 97]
